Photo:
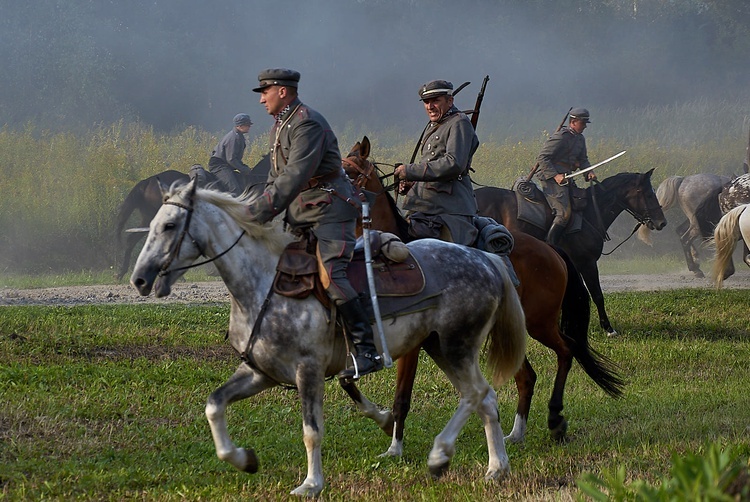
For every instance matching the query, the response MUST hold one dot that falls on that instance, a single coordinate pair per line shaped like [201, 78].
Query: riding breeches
[335, 249]
[558, 198]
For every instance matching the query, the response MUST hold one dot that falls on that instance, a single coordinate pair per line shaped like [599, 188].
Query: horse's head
[360, 170]
[640, 200]
[166, 245]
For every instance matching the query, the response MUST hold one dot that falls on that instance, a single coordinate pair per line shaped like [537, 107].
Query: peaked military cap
[242, 119]
[434, 89]
[580, 113]
[277, 76]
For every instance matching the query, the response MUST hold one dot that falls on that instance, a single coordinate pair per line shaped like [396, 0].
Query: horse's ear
[163, 188]
[192, 186]
[364, 150]
[650, 172]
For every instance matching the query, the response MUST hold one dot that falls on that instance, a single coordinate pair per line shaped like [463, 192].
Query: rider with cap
[307, 180]
[563, 153]
[226, 159]
[439, 201]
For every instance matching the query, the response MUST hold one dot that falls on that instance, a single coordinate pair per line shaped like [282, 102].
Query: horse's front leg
[590, 273]
[310, 383]
[244, 383]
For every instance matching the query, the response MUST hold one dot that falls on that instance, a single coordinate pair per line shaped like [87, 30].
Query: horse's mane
[271, 234]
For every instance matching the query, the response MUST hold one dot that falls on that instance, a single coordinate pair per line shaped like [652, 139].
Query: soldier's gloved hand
[590, 176]
[400, 172]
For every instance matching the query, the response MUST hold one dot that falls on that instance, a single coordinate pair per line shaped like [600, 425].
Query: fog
[82, 65]
[171, 63]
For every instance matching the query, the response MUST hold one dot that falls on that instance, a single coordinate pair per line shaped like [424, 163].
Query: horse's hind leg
[383, 418]
[407, 372]
[688, 233]
[476, 395]
[244, 383]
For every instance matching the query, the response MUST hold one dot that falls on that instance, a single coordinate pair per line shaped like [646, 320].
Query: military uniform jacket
[443, 185]
[562, 153]
[306, 178]
[230, 150]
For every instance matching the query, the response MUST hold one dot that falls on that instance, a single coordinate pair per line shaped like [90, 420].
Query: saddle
[400, 285]
[533, 206]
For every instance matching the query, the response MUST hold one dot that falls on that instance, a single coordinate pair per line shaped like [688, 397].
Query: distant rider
[563, 153]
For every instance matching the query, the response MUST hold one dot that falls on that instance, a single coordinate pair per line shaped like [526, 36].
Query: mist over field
[96, 95]
[170, 63]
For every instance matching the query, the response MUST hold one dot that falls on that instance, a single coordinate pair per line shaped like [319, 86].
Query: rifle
[536, 166]
[478, 104]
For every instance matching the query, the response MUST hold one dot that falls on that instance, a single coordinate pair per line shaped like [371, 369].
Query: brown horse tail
[574, 328]
[726, 235]
[507, 337]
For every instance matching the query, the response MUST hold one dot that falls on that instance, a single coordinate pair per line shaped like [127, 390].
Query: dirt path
[216, 292]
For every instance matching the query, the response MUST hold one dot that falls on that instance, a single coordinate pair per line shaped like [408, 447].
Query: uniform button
[429, 147]
[437, 137]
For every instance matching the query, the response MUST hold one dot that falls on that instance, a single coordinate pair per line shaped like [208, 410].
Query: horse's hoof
[559, 432]
[495, 475]
[437, 471]
[612, 333]
[251, 461]
[698, 274]
[306, 490]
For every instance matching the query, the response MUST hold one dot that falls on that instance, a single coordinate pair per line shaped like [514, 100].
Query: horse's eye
[169, 226]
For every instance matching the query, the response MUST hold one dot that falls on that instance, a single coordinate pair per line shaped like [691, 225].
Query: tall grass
[60, 192]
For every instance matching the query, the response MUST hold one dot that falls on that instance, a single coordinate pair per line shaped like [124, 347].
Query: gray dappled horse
[697, 195]
[296, 344]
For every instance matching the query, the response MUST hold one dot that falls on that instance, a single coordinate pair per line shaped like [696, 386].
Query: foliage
[716, 475]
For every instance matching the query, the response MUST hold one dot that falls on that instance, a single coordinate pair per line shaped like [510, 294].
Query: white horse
[733, 226]
[294, 342]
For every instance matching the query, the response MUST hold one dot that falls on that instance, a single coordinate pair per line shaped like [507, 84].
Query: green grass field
[106, 403]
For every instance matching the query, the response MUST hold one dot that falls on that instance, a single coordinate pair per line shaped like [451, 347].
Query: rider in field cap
[562, 153]
[438, 196]
[307, 182]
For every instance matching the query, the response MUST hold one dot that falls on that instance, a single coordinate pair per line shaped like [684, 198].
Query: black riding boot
[555, 232]
[367, 359]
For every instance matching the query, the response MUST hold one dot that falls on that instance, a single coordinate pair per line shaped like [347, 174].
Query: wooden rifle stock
[536, 166]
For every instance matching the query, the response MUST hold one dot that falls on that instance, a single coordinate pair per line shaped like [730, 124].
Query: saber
[366, 222]
[594, 166]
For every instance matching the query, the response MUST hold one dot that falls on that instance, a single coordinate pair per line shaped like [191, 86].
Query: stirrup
[352, 374]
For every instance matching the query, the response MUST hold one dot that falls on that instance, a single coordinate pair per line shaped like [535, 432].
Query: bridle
[174, 253]
[365, 170]
[642, 219]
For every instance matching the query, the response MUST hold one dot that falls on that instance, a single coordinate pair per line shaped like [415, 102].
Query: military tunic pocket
[313, 198]
[439, 186]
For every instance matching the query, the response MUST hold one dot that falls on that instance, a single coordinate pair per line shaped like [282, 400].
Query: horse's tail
[726, 235]
[507, 337]
[574, 328]
[132, 202]
[666, 194]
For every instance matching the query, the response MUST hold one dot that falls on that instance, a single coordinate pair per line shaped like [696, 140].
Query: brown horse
[554, 300]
